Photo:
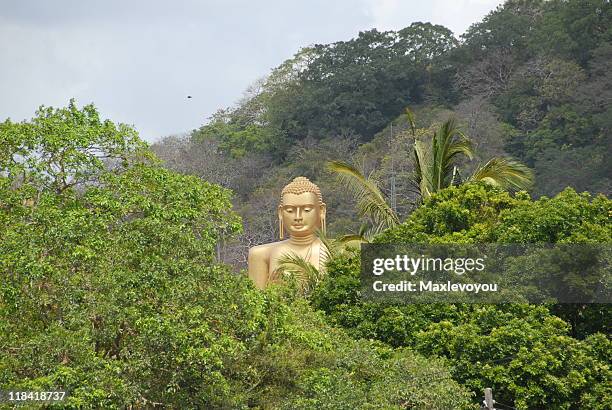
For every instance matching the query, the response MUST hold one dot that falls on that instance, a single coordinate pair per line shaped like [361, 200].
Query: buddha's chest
[310, 253]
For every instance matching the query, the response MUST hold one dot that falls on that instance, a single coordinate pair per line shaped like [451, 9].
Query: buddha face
[301, 213]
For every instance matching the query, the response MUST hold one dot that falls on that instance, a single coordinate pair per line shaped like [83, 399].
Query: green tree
[436, 162]
[524, 352]
[237, 135]
[572, 29]
[435, 168]
[66, 147]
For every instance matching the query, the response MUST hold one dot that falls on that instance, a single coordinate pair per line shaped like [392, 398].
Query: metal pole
[393, 193]
[488, 401]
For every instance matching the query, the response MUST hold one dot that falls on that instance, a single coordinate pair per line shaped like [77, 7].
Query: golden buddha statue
[301, 212]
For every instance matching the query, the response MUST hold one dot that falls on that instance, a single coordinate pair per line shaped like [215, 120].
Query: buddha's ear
[322, 212]
[281, 228]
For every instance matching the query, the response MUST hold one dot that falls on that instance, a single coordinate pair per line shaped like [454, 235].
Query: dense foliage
[526, 353]
[111, 290]
[544, 67]
[346, 88]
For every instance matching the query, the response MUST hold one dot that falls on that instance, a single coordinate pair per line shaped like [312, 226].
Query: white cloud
[457, 15]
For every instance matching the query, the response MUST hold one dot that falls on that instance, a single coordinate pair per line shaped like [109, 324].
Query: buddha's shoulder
[265, 248]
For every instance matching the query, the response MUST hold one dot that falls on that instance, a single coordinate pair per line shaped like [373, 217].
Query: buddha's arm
[258, 266]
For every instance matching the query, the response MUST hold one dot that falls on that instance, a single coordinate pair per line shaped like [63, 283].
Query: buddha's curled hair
[301, 185]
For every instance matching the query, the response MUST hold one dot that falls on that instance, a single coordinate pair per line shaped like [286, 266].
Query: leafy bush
[524, 352]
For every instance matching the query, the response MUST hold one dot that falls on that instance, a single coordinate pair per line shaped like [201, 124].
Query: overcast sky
[138, 60]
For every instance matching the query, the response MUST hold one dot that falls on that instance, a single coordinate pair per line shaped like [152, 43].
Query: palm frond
[423, 167]
[355, 240]
[435, 160]
[331, 246]
[505, 173]
[411, 121]
[352, 240]
[449, 142]
[294, 267]
[462, 146]
[370, 200]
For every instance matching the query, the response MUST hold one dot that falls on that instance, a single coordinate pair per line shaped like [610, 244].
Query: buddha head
[301, 211]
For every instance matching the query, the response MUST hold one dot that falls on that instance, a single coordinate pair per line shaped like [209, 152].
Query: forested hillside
[531, 81]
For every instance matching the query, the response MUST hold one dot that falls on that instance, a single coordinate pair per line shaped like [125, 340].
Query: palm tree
[436, 159]
[435, 163]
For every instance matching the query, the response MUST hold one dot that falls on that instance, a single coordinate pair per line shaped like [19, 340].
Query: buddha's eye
[289, 210]
[307, 209]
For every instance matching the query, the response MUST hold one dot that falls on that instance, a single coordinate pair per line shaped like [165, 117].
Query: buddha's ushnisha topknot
[300, 185]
